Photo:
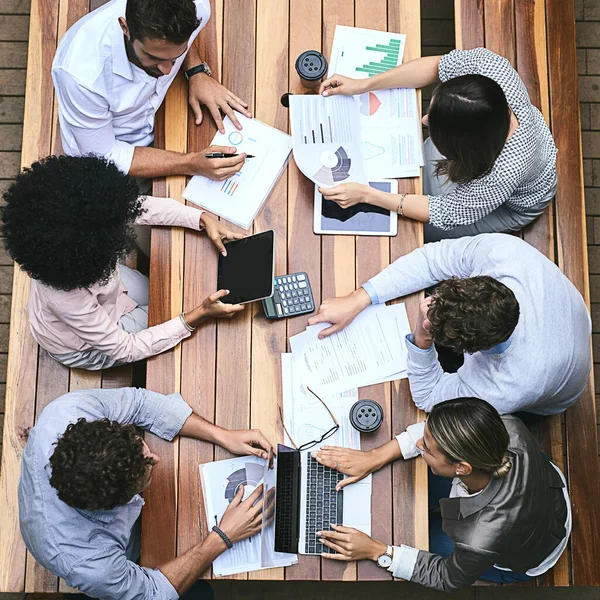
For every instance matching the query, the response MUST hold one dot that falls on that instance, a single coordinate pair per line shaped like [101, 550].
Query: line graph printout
[239, 198]
[326, 139]
[390, 129]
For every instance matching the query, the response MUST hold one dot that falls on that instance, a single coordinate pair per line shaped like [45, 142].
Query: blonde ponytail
[504, 467]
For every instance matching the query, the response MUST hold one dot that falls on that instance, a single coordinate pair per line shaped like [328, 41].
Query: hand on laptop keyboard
[350, 544]
[355, 463]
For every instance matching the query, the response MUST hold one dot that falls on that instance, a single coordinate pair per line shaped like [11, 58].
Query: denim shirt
[93, 550]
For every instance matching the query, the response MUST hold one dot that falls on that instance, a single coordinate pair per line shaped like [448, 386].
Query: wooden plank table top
[230, 371]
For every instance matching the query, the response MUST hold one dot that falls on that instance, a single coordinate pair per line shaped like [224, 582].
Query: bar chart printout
[326, 139]
[389, 60]
[362, 53]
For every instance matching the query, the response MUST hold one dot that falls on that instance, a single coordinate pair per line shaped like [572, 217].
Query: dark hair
[472, 314]
[470, 429]
[99, 465]
[170, 20]
[66, 220]
[469, 120]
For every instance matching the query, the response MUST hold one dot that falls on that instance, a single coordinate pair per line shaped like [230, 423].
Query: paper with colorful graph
[239, 198]
[391, 138]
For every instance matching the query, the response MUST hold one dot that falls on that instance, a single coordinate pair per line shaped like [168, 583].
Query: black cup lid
[311, 65]
[366, 416]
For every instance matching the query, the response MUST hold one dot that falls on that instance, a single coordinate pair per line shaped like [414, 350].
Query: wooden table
[230, 371]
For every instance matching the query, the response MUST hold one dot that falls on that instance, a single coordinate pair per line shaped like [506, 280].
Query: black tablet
[248, 269]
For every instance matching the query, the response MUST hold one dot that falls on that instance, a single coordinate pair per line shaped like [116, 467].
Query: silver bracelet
[186, 324]
[399, 209]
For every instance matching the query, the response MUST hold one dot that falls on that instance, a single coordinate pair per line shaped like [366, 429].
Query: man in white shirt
[111, 72]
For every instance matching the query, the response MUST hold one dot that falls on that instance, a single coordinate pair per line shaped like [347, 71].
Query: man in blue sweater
[522, 325]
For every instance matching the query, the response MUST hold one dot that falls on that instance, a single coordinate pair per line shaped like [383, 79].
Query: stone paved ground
[437, 38]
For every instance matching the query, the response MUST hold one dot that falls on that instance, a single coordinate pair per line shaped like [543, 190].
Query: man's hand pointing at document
[340, 312]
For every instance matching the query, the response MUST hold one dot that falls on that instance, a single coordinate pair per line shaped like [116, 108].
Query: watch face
[384, 561]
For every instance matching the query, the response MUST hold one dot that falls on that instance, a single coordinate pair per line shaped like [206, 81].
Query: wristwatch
[201, 68]
[385, 560]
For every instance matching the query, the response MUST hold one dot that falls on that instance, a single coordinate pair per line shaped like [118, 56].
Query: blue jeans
[440, 543]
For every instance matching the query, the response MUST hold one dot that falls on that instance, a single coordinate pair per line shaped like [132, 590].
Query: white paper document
[220, 483]
[369, 350]
[361, 53]
[306, 418]
[391, 137]
[239, 198]
[326, 139]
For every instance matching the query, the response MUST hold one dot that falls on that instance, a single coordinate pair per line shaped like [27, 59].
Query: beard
[153, 71]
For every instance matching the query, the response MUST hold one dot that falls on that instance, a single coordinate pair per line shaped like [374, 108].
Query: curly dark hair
[473, 314]
[99, 465]
[171, 20]
[67, 220]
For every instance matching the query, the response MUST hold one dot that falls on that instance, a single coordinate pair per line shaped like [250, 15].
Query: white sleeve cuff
[408, 439]
[122, 155]
[404, 561]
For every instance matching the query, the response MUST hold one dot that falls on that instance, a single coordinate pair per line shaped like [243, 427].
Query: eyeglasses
[326, 435]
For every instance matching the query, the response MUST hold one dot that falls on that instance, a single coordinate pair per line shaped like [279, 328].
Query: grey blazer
[515, 522]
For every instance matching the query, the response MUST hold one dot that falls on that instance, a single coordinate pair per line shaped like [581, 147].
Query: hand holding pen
[218, 162]
[226, 155]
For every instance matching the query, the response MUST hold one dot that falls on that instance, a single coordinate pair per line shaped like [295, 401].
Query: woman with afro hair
[68, 222]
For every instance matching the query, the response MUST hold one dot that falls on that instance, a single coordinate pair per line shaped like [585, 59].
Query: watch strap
[201, 68]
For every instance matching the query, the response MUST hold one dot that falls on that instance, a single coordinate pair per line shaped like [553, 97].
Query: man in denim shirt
[83, 470]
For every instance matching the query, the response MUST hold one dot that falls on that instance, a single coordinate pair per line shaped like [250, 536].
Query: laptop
[306, 502]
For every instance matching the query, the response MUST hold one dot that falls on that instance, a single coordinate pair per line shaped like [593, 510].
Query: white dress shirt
[405, 557]
[106, 105]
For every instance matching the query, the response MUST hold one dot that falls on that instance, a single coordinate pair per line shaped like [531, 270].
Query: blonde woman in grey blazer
[504, 513]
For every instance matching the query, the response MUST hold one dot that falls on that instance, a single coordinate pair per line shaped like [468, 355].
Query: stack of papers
[239, 198]
[220, 482]
[392, 141]
[341, 139]
[306, 418]
[370, 350]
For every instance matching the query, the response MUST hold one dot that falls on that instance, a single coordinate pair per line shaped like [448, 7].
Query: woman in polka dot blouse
[490, 160]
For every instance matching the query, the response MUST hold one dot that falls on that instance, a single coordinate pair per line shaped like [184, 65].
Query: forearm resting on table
[414, 74]
[198, 428]
[385, 454]
[414, 206]
[154, 162]
[186, 569]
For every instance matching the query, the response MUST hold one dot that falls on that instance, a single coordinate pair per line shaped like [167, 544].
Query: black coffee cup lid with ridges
[311, 65]
[366, 416]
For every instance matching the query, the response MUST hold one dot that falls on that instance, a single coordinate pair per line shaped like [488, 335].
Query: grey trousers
[135, 321]
[499, 220]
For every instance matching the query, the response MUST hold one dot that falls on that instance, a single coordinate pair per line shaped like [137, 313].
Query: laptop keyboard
[323, 505]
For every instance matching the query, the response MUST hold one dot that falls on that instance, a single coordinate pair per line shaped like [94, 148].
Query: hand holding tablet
[248, 269]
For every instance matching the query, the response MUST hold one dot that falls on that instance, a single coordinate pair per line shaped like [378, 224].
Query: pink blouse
[87, 318]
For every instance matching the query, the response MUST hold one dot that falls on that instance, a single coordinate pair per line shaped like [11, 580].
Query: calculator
[291, 297]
